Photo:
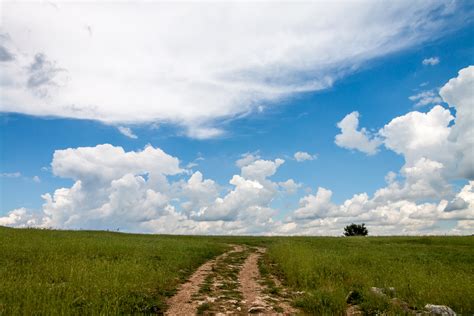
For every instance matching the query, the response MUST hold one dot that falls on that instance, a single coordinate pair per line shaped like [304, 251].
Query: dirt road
[231, 284]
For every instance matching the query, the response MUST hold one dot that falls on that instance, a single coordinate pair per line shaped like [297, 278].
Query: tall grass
[436, 270]
[67, 272]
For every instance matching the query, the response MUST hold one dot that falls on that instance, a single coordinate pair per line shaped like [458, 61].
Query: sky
[238, 118]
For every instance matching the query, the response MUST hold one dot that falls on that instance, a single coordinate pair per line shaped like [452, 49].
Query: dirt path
[257, 297]
[181, 303]
[230, 284]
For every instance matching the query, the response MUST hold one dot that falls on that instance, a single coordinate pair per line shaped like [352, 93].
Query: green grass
[436, 270]
[85, 272]
[66, 272]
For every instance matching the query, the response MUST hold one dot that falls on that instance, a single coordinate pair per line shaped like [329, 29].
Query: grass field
[63, 272]
[83, 272]
[436, 270]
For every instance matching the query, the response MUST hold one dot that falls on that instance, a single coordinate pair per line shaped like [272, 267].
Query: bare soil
[230, 284]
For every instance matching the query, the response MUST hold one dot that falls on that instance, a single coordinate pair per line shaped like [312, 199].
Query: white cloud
[104, 163]
[127, 132]
[315, 206]
[459, 94]
[174, 65]
[36, 179]
[352, 138]
[252, 192]
[437, 134]
[424, 180]
[10, 175]
[437, 148]
[416, 134]
[132, 190]
[20, 217]
[198, 193]
[426, 98]
[247, 159]
[290, 186]
[432, 61]
[261, 169]
[303, 156]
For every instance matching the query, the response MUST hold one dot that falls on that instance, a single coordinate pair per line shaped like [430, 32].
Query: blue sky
[271, 127]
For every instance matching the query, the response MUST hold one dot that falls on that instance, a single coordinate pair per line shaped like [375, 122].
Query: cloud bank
[193, 64]
[148, 190]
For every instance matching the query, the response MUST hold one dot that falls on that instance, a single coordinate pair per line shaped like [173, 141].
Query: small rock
[258, 302]
[377, 291]
[354, 310]
[239, 308]
[211, 299]
[256, 309]
[439, 310]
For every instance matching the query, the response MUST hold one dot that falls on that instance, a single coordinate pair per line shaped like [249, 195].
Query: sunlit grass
[436, 270]
[63, 272]
[86, 272]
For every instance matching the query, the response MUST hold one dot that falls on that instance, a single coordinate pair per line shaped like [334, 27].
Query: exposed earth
[232, 284]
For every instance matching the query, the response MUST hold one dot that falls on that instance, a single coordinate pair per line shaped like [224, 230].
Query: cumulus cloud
[127, 131]
[416, 134]
[437, 148]
[202, 73]
[432, 61]
[104, 163]
[20, 217]
[315, 206]
[138, 190]
[353, 138]
[247, 159]
[437, 135]
[131, 190]
[303, 156]
[426, 98]
[458, 93]
[290, 186]
[198, 192]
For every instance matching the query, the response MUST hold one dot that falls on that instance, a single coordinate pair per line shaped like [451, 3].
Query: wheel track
[228, 284]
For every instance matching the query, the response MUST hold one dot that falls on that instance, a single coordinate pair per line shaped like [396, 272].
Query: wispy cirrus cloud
[127, 131]
[426, 98]
[10, 174]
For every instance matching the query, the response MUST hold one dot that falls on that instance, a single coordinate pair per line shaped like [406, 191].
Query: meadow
[88, 272]
[85, 272]
[436, 270]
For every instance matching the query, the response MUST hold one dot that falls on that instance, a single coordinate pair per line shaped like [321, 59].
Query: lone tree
[355, 230]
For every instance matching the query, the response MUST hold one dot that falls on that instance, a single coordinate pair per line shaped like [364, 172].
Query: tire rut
[229, 284]
[182, 302]
[258, 299]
